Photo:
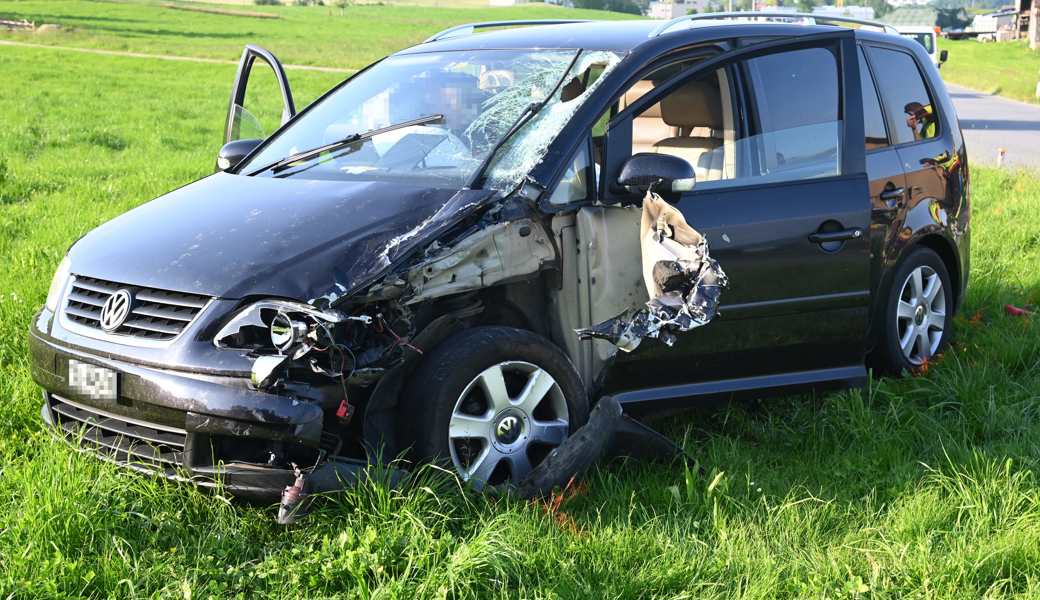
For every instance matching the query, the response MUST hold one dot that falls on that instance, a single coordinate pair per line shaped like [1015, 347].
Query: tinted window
[796, 88]
[796, 110]
[873, 120]
[909, 107]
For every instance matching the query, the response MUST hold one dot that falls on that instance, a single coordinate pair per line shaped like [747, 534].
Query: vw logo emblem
[115, 310]
[508, 429]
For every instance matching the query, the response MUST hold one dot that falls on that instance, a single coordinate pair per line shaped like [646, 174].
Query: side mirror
[665, 172]
[943, 55]
[233, 152]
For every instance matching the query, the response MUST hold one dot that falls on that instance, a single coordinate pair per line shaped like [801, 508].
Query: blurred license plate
[97, 383]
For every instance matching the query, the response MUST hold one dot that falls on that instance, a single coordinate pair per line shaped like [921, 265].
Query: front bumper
[180, 425]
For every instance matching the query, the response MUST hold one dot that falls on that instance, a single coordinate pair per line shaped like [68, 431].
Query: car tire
[917, 318]
[491, 403]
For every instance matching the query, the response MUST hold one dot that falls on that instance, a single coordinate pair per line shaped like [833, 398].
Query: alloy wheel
[507, 419]
[921, 315]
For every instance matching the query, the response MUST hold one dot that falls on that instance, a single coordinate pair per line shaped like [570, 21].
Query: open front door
[254, 111]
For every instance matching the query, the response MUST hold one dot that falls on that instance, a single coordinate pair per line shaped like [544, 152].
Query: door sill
[650, 398]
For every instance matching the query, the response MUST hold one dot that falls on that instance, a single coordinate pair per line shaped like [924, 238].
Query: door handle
[824, 237]
[942, 158]
[893, 194]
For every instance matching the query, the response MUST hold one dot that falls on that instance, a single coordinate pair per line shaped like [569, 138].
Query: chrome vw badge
[115, 310]
[508, 429]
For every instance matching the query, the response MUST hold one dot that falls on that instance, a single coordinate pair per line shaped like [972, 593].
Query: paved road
[991, 122]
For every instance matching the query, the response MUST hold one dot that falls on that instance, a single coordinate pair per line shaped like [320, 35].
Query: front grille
[119, 438]
[157, 315]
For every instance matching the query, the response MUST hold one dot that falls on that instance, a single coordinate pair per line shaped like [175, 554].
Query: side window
[910, 109]
[873, 120]
[573, 187]
[649, 128]
[694, 122]
[795, 116]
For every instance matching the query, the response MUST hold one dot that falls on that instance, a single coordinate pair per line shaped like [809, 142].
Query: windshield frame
[237, 169]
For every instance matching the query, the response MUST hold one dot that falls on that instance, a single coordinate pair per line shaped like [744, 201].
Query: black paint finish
[797, 313]
[234, 236]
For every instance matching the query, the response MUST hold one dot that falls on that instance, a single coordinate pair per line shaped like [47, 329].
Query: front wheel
[918, 312]
[492, 402]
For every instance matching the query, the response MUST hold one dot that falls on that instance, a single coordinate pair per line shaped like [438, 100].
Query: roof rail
[809, 18]
[470, 28]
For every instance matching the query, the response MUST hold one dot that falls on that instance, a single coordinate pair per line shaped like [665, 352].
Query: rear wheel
[918, 312]
[492, 402]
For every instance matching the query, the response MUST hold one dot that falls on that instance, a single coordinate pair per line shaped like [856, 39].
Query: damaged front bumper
[182, 426]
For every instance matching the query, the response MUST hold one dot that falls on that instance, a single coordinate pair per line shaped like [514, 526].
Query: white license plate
[97, 383]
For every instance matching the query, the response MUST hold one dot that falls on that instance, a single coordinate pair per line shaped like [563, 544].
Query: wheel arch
[948, 253]
[935, 242]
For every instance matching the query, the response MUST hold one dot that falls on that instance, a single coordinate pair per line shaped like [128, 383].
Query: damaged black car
[458, 251]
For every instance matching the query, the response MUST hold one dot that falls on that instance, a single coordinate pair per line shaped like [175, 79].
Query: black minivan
[455, 252]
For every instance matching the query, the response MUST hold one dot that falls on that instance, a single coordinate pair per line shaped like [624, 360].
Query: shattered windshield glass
[480, 94]
[526, 149]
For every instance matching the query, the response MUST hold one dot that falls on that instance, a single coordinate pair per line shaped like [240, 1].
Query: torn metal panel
[682, 281]
[499, 252]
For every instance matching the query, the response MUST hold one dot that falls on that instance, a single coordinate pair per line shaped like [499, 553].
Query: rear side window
[873, 119]
[910, 109]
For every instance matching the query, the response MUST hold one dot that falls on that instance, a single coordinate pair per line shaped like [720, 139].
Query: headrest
[635, 93]
[695, 104]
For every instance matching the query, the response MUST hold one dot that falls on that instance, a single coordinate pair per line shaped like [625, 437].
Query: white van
[927, 37]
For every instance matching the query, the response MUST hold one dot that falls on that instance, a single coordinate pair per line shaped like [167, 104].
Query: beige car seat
[696, 111]
[647, 128]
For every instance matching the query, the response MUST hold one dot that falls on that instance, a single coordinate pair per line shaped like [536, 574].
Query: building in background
[928, 16]
[902, 3]
[853, 12]
[666, 9]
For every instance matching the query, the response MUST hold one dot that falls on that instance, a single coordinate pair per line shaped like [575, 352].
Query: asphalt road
[990, 123]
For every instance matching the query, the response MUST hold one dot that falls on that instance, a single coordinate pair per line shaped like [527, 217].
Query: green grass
[919, 487]
[319, 35]
[1007, 68]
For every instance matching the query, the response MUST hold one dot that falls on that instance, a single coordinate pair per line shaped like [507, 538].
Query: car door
[920, 135]
[261, 100]
[783, 201]
[888, 187]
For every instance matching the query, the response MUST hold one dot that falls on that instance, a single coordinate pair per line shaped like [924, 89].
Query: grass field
[316, 35]
[1009, 68]
[919, 487]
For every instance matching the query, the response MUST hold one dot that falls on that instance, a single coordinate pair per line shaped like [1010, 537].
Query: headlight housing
[274, 323]
[61, 277]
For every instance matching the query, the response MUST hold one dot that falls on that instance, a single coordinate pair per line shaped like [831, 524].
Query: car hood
[233, 236]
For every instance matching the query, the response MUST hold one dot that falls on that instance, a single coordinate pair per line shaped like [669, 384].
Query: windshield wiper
[288, 161]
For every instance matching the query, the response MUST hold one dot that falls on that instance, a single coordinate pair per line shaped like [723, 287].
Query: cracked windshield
[464, 104]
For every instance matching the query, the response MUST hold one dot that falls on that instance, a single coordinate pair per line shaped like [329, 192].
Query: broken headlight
[281, 326]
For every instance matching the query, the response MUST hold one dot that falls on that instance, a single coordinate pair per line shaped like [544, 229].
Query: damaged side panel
[682, 281]
[500, 252]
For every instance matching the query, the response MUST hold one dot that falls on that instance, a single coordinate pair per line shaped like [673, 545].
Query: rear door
[888, 189]
[918, 129]
[783, 200]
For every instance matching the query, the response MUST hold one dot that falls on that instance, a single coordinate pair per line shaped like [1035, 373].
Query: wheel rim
[505, 421]
[920, 315]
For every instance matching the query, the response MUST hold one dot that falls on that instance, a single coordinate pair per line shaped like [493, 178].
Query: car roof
[617, 36]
